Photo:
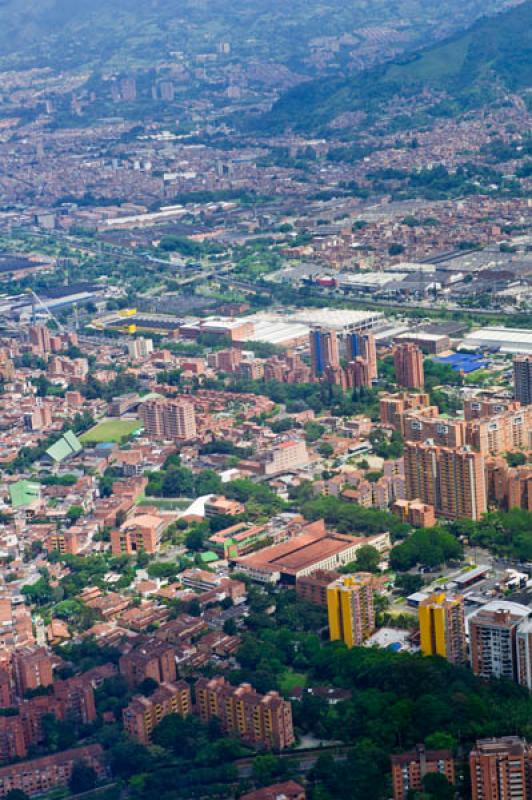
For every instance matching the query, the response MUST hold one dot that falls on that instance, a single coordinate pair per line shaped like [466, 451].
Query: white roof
[511, 340]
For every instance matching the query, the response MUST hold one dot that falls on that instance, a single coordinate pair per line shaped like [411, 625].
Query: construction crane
[35, 299]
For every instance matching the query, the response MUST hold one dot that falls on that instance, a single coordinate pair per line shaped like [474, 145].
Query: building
[314, 548]
[362, 345]
[493, 639]
[139, 534]
[140, 348]
[41, 775]
[500, 769]
[350, 610]
[151, 659]
[261, 720]
[408, 363]
[442, 627]
[288, 790]
[168, 419]
[218, 505]
[418, 426]
[143, 714]
[523, 379]
[313, 587]
[409, 769]
[393, 406]
[451, 479]
[501, 433]
[285, 457]
[323, 350]
[39, 336]
[32, 667]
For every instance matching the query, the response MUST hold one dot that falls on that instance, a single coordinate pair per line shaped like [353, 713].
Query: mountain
[469, 69]
[69, 34]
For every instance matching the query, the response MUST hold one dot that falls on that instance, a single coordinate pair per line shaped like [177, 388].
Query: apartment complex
[151, 659]
[408, 363]
[409, 769]
[350, 609]
[450, 479]
[141, 533]
[41, 775]
[165, 419]
[393, 406]
[522, 365]
[143, 714]
[500, 769]
[499, 642]
[442, 627]
[32, 668]
[264, 720]
[324, 351]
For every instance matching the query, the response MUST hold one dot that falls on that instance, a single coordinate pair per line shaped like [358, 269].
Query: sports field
[111, 430]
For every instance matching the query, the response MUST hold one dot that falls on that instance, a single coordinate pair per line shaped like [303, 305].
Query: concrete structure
[452, 480]
[409, 769]
[350, 609]
[500, 769]
[168, 419]
[408, 363]
[442, 627]
[493, 639]
[323, 350]
[523, 379]
[143, 714]
[41, 775]
[261, 720]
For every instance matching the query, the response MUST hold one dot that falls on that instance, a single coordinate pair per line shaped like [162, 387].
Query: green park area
[111, 430]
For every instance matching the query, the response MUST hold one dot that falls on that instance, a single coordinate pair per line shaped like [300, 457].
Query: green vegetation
[111, 430]
[352, 518]
[467, 65]
[428, 547]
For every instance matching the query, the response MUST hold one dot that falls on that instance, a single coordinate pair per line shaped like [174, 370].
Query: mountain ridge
[494, 54]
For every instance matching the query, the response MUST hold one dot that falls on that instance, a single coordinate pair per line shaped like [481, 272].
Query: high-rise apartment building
[362, 345]
[151, 659]
[143, 714]
[32, 667]
[500, 433]
[442, 627]
[393, 406]
[409, 769]
[350, 609]
[493, 640]
[500, 769]
[523, 379]
[260, 719]
[418, 426]
[168, 419]
[140, 347]
[408, 363]
[39, 336]
[451, 479]
[323, 350]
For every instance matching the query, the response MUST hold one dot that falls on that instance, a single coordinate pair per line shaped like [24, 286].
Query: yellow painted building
[442, 627]
[350, 609]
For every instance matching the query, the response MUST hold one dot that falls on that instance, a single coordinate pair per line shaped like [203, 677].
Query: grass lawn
[290, 680]
[111, 430]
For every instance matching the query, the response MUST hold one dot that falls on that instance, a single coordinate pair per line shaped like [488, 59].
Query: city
[266, 401]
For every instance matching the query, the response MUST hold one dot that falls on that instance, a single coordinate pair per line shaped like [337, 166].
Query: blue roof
[463, 362]
[394, 647]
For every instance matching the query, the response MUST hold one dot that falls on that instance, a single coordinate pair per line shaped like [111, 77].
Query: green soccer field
[111, 430]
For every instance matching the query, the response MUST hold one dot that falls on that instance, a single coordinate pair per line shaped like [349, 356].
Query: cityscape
[266, 400]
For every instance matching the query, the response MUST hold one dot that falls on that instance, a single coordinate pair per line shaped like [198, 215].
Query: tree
[325, 449]
[438, 786]
[367, 559]
[194, 540]
[17, 794]
[74, 513]
[147, 687]
[82, 779]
